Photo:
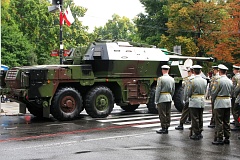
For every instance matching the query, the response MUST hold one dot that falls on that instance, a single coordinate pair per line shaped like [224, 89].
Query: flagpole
[61, 40]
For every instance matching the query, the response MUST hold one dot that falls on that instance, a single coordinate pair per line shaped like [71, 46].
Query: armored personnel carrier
[106, 73]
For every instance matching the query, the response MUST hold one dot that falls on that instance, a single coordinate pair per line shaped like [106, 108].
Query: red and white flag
[68, 17]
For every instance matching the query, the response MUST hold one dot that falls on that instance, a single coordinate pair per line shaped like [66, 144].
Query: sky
[100, 11]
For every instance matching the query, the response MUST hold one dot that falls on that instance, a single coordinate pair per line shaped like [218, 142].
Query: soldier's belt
[198, 96]
[222, 97]
[164, 92]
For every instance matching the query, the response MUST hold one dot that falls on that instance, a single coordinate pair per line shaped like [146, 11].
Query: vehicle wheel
[178, 98]
[35, 110]
[99, 102]
[151, 103]
[66, 104]
[130, 108]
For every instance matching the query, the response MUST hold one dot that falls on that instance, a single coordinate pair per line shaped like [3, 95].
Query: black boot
[233, 122]
[187, 122]
[226, 140]
[235, 129]
[180, 127]
[211, 126]
[212, 123]
[163, 131]
[200, 136]
[218, 141]
[195, 137]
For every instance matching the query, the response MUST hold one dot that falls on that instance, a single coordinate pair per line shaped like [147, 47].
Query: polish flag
[68, 17]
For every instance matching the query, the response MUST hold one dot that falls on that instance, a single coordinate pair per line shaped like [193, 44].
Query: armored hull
[107, 73]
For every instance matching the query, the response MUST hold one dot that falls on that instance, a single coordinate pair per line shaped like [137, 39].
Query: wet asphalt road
[120, 136]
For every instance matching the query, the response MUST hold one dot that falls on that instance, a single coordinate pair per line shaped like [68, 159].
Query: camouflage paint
[129, 72]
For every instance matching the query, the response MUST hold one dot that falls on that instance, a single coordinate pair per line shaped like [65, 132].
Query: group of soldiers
[225, 97]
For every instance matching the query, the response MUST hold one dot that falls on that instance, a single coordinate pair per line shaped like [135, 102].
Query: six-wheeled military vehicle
[106, 73]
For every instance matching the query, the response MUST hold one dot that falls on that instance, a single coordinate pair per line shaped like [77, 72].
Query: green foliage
[16, 49]
[116, 28]
[36, 23]
[188, 46]
[190, 24]
[200, 27]
[34, 32]
[152, 24]
[76, 34]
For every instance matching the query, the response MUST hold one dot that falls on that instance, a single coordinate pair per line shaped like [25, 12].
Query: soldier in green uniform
[163, 98]
[185, 111]
[197, 90]
[222, 103]
[214, 79]
[235, 109]
[237, 101]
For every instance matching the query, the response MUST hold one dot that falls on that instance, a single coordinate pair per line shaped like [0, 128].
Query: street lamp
[57, 4]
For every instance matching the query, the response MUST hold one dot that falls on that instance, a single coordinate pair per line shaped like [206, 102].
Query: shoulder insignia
[159, 78]
[213, 88]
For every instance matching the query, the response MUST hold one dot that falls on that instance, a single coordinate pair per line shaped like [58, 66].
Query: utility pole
[57, 5]
[60, 37]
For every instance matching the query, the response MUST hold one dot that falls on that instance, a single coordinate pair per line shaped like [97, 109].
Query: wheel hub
[68, 104]
[101, 102]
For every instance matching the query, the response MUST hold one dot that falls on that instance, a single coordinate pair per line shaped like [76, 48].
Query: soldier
[163, 98]
[222, 90]
[185, 111]
[197, 89]
[236, 77]
[214, 79]
[237, 101]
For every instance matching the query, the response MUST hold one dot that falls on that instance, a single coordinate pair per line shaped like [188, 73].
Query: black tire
[130, 108]
[151, 102]
[66, 104]
[178, 98]
[99, 102]
[35, 110]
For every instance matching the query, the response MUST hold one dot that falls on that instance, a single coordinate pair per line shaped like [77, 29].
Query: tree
[16, 49]
[76, 34]
[194, 24]
[41, 28]
[227, 47]
[36, 23]
[116, 28]
[152, 24]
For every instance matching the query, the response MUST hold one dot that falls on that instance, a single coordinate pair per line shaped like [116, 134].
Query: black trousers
[197, 120]
[222, 123]
[164, 111]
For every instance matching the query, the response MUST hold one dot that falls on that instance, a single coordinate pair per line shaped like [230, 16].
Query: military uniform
[185, 111]
[197, 90]
[213, 81]
[163, 98]
[222, 104]
[235, 101]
